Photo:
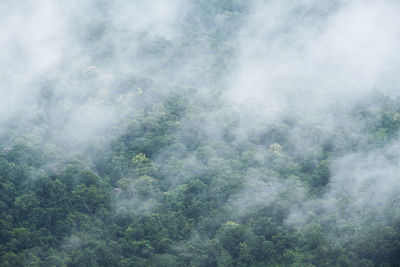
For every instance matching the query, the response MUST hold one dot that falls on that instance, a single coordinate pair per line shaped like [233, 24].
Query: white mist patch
[308, 55]
[32, 36]
[31, 44]
[368, 180]
[262, 189]
[157, 16]
[187, 169]
[73, 53]
[256, 192]
[363, 188]
[90, 119]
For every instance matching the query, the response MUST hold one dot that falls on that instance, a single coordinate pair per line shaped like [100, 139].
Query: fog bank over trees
[199, 133]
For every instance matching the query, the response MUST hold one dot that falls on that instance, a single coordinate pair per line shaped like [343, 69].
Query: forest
[199, 133]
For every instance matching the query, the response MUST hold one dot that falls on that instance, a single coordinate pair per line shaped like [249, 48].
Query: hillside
[199, 133]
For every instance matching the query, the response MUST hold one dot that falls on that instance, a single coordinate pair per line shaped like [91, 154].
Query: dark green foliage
[180, 203]
[179, 183]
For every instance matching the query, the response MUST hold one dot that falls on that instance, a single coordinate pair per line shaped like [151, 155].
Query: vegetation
[179, 182]
[184, 198]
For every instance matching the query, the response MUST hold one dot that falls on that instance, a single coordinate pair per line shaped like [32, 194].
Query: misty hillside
[199, 133]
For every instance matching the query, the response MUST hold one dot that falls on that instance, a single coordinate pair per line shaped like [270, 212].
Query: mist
[199, 133]
[313, 62]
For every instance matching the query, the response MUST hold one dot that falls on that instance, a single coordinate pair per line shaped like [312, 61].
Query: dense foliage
[177, 200]
[179, 182]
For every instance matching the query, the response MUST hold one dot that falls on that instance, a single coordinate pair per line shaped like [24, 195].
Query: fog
[58, 51]
[307, 56]
[314, 61]
[267, 98]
